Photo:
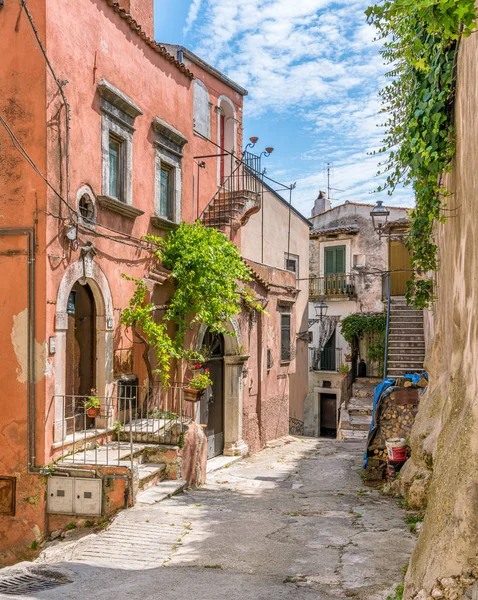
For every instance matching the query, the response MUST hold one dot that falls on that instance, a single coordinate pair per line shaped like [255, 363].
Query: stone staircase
[356, 414]
[147, 464]
[406, 343]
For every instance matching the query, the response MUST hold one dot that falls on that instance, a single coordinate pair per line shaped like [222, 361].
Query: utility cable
[60, 85]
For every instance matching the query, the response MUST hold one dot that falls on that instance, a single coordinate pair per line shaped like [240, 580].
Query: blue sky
[313, 73]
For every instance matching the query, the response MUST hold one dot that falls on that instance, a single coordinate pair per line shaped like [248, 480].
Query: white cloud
[315, 64]
[192, 16]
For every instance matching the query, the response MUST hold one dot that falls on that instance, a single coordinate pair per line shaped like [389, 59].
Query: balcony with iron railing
[329, 359]
[332, 286]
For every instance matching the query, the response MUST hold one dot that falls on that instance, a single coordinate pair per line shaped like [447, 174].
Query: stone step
[407, 366]
[150, 474]
[404, 337]
[399, 345]
[352, 434]
[360, 405]
[163, 490]
[396, 309]
[394, 330]
[401, 372]
[360, 422]
[114, 453]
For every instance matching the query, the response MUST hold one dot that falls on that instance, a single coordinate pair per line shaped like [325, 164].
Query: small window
[167, 192]
[116, 167]
[270, 360]
[292, 263]
[87, 209]
[285, 346]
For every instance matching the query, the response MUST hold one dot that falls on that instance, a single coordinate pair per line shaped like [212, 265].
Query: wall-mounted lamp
[321, 309]
[71, 232]
[379, 214]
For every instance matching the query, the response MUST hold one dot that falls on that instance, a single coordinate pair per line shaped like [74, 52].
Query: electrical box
[74, 496]
[60, 495]
[87, 497]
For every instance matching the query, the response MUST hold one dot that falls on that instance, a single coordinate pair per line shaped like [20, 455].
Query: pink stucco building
[106, 136]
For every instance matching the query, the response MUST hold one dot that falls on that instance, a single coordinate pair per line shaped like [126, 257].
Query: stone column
[234, 445]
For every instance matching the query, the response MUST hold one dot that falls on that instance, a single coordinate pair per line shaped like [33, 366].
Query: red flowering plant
[200, 381]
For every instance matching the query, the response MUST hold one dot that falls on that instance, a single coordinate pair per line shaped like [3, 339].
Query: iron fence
[131, 416]
[329, 359]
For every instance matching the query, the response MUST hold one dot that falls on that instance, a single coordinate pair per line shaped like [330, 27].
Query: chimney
[321, 205]
[142, 12]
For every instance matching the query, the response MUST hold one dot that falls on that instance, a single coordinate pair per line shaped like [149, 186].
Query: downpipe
[385, 360]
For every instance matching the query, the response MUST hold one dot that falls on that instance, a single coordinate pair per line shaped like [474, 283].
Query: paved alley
[292, 522]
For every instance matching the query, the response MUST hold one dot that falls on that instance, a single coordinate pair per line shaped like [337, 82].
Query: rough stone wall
[445, 436]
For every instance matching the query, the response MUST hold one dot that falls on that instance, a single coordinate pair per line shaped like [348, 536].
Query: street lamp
[321, 309]
[379, 214]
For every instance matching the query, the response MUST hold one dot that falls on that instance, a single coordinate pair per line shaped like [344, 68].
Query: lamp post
[379, 214]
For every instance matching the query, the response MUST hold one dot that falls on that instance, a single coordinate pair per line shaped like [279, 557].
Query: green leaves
[420, 42]
[207, 270]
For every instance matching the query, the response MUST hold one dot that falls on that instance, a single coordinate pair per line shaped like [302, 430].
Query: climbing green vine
[421, 40]
[207, 271]
[372, 328]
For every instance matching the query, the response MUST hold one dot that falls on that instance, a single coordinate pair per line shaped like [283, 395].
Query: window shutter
[340, 259]
[329, 261]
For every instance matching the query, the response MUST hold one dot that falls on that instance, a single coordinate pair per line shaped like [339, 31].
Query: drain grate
[23, 583]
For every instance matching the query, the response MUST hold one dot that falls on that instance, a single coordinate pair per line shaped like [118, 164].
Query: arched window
[226, 135]
[202, 109]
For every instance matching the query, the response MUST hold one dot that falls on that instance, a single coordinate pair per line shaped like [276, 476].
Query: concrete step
[114, 453]
[399, 345]
[405, 366]
[150, 474]
[394, 330]
[397, 309]
[403, 337]
[360, 406]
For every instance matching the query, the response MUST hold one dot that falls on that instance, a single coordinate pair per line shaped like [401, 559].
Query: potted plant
[348, 358]
[92, 405]
[197, 385]
[344, 369]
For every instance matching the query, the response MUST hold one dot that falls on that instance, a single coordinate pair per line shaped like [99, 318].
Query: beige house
[348, 267]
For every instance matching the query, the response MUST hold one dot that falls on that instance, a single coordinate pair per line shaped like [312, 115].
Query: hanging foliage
[207, 271]
[371, 329]
[420, 43]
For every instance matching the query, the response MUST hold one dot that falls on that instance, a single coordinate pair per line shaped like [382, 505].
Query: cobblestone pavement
[292, 522]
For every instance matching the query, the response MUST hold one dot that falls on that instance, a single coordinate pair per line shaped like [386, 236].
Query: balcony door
[335, 279]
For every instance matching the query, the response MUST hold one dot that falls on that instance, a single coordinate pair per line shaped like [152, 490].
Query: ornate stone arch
[84, 270]
[234, 360]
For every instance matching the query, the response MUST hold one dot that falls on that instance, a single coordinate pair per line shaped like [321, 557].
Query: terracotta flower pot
[93, 412]
[192, 395]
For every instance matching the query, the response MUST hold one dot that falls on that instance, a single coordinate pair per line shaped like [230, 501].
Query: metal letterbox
[87, 496]
[60, 495]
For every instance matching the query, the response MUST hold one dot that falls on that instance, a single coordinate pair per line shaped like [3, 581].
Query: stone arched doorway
[86, 278]
[233, 364]
[80, 377]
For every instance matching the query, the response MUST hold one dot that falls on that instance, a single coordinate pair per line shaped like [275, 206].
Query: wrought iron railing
[332, 285]
[329, 359]
[132, 415]
[237, 197]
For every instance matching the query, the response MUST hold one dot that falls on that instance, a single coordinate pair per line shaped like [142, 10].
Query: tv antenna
[329, 169]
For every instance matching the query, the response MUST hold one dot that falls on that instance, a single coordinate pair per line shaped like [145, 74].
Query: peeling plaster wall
[445, 435]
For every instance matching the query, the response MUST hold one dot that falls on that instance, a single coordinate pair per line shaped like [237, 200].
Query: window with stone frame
[169, 144]
[118, 115]
[285, 337]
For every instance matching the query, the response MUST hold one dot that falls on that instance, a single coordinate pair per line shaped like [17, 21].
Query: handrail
[385, 361]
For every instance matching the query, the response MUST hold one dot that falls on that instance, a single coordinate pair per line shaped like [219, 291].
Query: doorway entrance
[212, 402]
[81, 356]
[400, 268]
[328, 415]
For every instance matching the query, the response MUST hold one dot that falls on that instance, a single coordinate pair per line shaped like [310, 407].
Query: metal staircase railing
[236, 198]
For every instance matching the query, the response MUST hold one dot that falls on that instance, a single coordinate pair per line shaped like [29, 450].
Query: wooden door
[212, 402]
[81, 356]
[328, 415]
[400, 268]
